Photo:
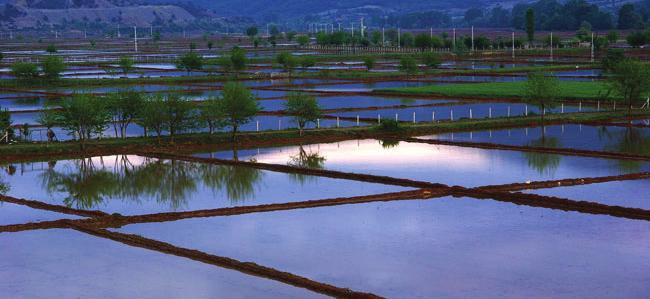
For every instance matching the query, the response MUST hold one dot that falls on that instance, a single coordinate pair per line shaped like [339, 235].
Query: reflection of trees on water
[629, 140]
[304, 159]
[545, 164]
[169, 182]
[389, 143]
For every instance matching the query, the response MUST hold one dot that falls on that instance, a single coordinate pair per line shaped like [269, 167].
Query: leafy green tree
[287, 61]
[630, 79]
[51, 48]
[152, 115]
[422, 41]
[53, 66]
[124, 107]
[431, 59]
[211, 114]
[530, 25]
[83, 115]
[636, 39]
[612, 36]
[190, 61]
[408, 65]
[251, 31]
[239, 106]
[369, 62]
[291, 35]
[180, 115]
[2, 56]
[303, 108]
[302, 40]
[210, 44]
[225, 63]
[238, 58]
[407, 40]
[5, 123]
[192, 47]
[308, 61]
[612, 58]
[156, 36]
[24, 70]
[126, 65]
[542, 90]
[48, 119]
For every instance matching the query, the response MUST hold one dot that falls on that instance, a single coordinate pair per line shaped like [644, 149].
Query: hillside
[22, 14]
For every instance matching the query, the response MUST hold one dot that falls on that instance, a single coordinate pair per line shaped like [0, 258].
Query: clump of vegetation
[287, 61]
[369, 62]
[390, 125]
[190, 61]
[630, 79]
[408, 65]
[542, 90]
[431, 59]
[303, 109]
[24, 70]
[52, 67]
[126, 64]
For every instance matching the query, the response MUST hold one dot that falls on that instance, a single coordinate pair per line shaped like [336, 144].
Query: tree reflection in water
[304, 159]
[545, 164]
[631, 141]
[170, 182]
[389, 143]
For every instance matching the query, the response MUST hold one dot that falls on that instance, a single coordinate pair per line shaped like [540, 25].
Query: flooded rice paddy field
[351, 218]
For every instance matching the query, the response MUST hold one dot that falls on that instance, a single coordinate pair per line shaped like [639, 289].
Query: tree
[408, 65]
[124, 107]
[225, 63]
[302, 40]
[308, 61]
[369, 62]
[303, 108]
[431, 59]
[179, 114]
[291, 35]
[612, 58]
[24, 70]
[422, 41]
[156, 36]
[628, 18]
[287, 61]
[2, 56]
[636, 39]
[5, 124]
[238, 105]
[83, 115]
[407, 40]
[238, 58]
[52, 67]
[530, 25]
[210, 44]
[542, 90]
[251, 31]
[584, 32]
[48, 119]
[630, 79]
[612, 36]
[211, 114]
[190, 61]
[126, 64]
[152, 115]
[51, 48]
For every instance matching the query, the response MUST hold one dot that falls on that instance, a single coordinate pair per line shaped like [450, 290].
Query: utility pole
[362, 28]
[399, 38]
[151, 31]
[431, 37]
[592, 47]
[118, 30]
[453, 41]
[472, 39]
[135, 38]
[383, 36]
[352, 24]
[513, 46]
[339, 26]
[551, 46]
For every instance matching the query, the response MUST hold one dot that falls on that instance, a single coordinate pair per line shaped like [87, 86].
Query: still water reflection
[134, 184]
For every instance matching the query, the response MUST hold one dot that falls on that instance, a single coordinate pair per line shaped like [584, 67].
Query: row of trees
[50, 68]
[85, 116]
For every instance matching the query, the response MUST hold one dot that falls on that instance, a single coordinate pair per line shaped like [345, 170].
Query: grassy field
[568, 90]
